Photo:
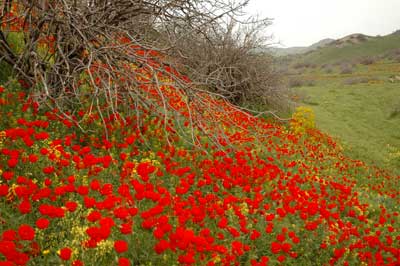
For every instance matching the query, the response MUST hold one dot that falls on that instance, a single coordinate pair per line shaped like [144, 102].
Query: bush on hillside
[368, 60]
[296, 82]
[73, 57]
[226, 62]
[356, 80]
[346, 69]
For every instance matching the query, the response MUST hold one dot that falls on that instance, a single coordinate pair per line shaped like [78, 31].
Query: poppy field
[179, 180]
[258, 193]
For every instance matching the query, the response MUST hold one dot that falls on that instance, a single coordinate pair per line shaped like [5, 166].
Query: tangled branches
[116, 56]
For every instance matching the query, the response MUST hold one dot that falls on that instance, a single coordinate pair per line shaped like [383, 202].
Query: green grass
[16, 43]
[363, 116]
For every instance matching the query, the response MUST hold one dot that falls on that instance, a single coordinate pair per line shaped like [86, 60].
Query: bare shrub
[396, 59]
[311, 83]
[296, 82]
[395, 111]
[346, 69]
[367, 60]
[78, 51]
[327, 68]
[356, 80]
[300, 65]
[227, 64]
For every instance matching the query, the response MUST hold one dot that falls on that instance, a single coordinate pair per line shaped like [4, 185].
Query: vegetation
[358, 106]
[128, 161]
[331, 54]
[261, 195]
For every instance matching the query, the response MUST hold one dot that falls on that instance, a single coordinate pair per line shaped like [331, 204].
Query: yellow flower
[302, 120]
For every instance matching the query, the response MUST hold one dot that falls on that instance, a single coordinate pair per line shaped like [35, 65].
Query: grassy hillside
[331, 54]
[361, 108]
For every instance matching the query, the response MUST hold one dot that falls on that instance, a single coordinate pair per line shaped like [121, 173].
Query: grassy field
[362, 109]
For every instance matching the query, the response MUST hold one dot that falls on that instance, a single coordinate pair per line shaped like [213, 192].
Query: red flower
[338, 253]
[121, 213]
[9, 235]
[269, 228]
[7, 247]
[223, 223]
[3, 190]
[126, 228]
[275, 247]
[48, 170]
[33, 158]
[24, 207]
[286, 247]
[94, 216]
[26, 232]
[120, 246]
[77, 263]
[71, 206]
[12, 162]
[42, 223]
[124, 262]
[311, 226]
[255, 234]
[144, 169]
[161, 246]
[65, 253]
[280, 237]
[8, 175]
[281, 258]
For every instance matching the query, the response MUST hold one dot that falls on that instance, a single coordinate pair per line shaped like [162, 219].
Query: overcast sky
[304, 22]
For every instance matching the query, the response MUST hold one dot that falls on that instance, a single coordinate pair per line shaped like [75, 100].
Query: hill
[299, 50]
[352, 47]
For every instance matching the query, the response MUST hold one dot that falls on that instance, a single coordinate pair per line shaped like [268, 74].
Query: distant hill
[343, 47]
[351, 39]
[352, 47]
[300, 49]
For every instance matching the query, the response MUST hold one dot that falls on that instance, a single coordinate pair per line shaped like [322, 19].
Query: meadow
[354, 102]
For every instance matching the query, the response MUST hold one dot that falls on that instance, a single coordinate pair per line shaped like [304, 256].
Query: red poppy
[77, 263]
[161, 246]
[124, 262]
[71, 206]
[126, 228]
[276, 247]
[254, 235]
[12, 162]
[65, 253]
[120, 246]
[42, 223]
[26, 232]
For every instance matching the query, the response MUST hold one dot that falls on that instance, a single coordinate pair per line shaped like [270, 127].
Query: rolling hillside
[353, 87]
[346, 49]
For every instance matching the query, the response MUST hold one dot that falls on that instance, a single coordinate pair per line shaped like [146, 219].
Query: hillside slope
[243, 191]
[347, 51]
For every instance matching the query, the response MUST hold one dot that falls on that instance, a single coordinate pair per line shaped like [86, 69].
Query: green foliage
[16, 43]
